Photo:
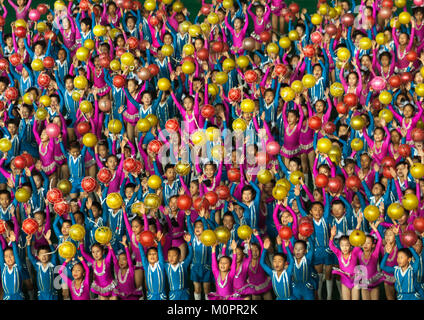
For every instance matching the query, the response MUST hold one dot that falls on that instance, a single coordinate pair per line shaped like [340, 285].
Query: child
[80, 286]
[11, 271]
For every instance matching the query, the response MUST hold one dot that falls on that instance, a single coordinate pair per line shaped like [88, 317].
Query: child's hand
[28, 238]
[255, 232]
[333, 231]
[159, 236]
[12, 237]
[48, 235]
[297, 190]
[124, 241]
[267, 244]
[233, 245]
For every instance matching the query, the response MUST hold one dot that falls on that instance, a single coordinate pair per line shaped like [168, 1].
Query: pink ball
[419, 3]
[378, 83]
[52, 130]
[34, 15]
[273, 148]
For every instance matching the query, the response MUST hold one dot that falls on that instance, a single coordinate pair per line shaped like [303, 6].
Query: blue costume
[11, 278]
[178, 276]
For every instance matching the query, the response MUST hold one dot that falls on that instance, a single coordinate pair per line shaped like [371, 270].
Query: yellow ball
[293, 35]
[239, 124]
[395, 211]
[212, 134]
[400, 3]
[167, 50]
[222, 233]
[80, 82]
[295, 176]
[27, 98]
[385, 97]
[371, 213]
[153, 119]
[167, 1]
[228, 64]
[394, 23]
[357, 144]
[365, 43]
[103, 235]
[308, 81]
[41, 114]
[184, 26]
[99, 30]
[419, 89]
[59, 5]
[380, 38]
[198, 137]
[22, 195]
[213, 18]
[143, 125]
[188, 49]
[194, 30]
[287, 94]
[316, 19]
[152, 201]
[343, 54]
[86, 106]
[208, 238]
[127, 59]
[37, 65]
[5, 144]
[150, 5]
[218, 152]
[20, 23]
[336, 89]
[297, 86]
[114, 32]
[323, 9]
[41, 27]
[417, 170]
[154, 182]
[178, 6]
[182, 168]
[136, 208]
[164, 84]
[65, 186]
[82, 54]
[89, 44]
[77, 232]
[264, 176]
[115, 65]
[89, 140]
[227, 4]
[76, 95]
[357, 123]
[335, 154]
[67, 250]
[338, 9]
[221, 77]
[247, 105]
[244, 232]
[114, 126]
[114, 200]
[213, 89]
[324, 145]
[272, 48]
[405, 17]
[284, 42]
[410, 201]
[386, 114]
[332, 13]
[279, 192]
[284, 182]
[242, 61]
[205, 27]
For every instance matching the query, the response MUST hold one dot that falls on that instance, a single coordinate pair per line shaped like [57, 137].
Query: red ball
[207, 111]
[316, 37]
[154, 146]
[153, 69]
[342, 108]
[50, 35]
[143, 44]
[265, 36]
[294, 7]
[321, 180]
[184, 202]
[409, 238]
[205, 10]
[54, 195]
[172, 125]
[88, 184]
[288, 16]
[353, 182]
[334, 185]
[331, 29]
[350, 100]
[84, 5]
[20, 32]
[223, 192]
[48, 62]
[61, 207]
[212, 197]
[411, 56]
[42, 8]
[127, 4]
[129, 164]
[104, 60]
[15, 59]
[404, 150]
[262, 158]
[386, 172]
[376, 104]
[417, 134]
[217, 46]
[138, 167]
[154, 21]
[250, 76]
[2, 105]
[405, 77]
[234, 95]
[305, 220]
[329, 127]
[388, 161]
[11, 93]
[280, 69]
[29, 226]
[201, 203]
[234, 175]
[309, 51]
[203, 54]
[119, 52]
[160, 14]
[2, 21]
[395, 81]
[132, 42]
[28, 159]
[348, 19]
[104, 175]
[2, 226]
[136, 5]
[43, 80]
[147, 238]
[273, 148]
[315, 123]
[19, 162]
[306, 229]
[118, 81]
[387, 3]
[285, 233]
[3, 64]
[419, 224]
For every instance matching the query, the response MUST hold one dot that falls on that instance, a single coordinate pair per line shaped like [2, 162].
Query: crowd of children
[253, 150]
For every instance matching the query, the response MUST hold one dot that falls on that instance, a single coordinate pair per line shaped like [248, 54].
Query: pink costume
[291, 147]
[391, 262]
[69, 36]
[378, 153]
[20, 13]
[412, 122]
[125, 288]
[379, 69]
[402, 62]
[191, 120]
[59, 157]
[347, 268]
[373, 277]
[176, 228]
[131, 114]
[39, 239]
[98, 79]
[237, 37]
[256, 276]
[118, 175]
[276, 6]
[134, 243]
[240, 279]
[103, 283]
[260, 25]
[83, 293]
[48, 163]
[224, 287]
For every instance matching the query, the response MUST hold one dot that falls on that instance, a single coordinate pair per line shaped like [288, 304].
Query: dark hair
[6, 192]
[152, 248]
[303, 242]
[75, 145]
[176, 249]
[406, 251]
[47, 248]
[281, 255]
[338, 201]
[344, 238]
[129, 185]
[97, 245]
[87, 22]
[169, 166]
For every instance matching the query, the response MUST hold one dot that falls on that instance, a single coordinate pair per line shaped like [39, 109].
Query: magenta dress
[103, 283]
[374, 277]
[176, 232]
[240, 278]
[125, 288]
[391, 262]
[346, 269]
[257, 278]
[83, 293]
[39, 239]
[224, 287]
[306, 138]
[291, 146]
[118, 176]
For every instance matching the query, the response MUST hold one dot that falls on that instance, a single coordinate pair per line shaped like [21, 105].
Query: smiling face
[122, 261]
[9, 258]
[97, 253]
[43, 256]
[224, 264]
[345, 246]
[78, 272]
